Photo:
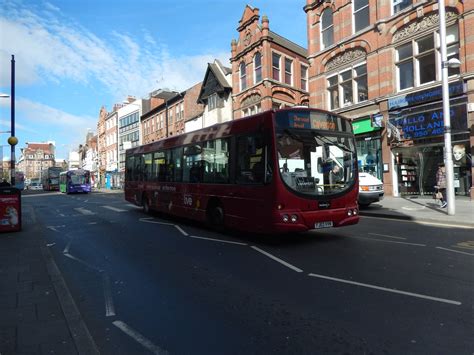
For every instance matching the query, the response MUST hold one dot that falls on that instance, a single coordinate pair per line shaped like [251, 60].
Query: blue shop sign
[425, 96]
[430, 123]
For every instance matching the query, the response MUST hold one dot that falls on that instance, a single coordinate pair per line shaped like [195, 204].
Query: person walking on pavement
[441, 184]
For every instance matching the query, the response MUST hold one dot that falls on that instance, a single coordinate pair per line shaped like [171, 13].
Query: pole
[166, 118]
[12, 146]
[448, 155]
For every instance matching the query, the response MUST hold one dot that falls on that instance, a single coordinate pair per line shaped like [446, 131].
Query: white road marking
[455, 251]
[66, 249]
[148, 220]
[114, 208]
[387, 289]
[82, 262]
[139, 338]
[217, 240]
[109, 302]
[84, 211]
[387, 236]
[181, 230]
[134, 206]
[277, 259]
[92, 223]
[62, 215]
[52, 228]
[389, 241]
[447, 225]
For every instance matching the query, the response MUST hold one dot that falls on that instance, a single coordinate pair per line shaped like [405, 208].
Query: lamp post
[445, 64]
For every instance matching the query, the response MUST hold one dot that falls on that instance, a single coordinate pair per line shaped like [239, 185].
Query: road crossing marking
[84, 211]
[139, 338]
[387, 289]
[114, 209]
[181, 230]
[294, 268]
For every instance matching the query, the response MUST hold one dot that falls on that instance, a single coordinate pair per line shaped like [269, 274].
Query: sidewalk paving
[37, 313]
[425, 209]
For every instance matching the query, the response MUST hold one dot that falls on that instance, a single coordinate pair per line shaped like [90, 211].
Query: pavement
[422, 209]
[38, 314]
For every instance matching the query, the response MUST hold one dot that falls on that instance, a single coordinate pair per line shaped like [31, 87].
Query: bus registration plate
[326, 224]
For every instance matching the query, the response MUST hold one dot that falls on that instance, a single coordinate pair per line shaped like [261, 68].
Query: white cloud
[49, 48]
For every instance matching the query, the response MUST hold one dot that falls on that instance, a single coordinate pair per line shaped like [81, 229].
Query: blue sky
[73, 56]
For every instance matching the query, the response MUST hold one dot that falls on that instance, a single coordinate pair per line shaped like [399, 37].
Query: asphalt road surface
[151, 284]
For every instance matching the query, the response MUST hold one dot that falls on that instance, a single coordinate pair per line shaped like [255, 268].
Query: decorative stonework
[251, 100]
[344, 58]
[426, 23]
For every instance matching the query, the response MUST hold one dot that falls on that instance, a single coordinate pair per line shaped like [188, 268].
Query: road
[151, 284]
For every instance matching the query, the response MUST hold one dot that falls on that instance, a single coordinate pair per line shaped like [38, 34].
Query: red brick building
[35, 157]
[378, 62]
[268, 71]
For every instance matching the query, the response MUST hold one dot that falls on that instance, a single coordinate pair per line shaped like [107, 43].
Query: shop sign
[363, 126]
[429, 123]
[425, 96]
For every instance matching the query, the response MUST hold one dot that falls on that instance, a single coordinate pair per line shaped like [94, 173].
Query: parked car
[370, 189]
[35, 186]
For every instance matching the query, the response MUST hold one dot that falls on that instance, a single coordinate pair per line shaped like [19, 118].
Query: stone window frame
[328, 29]
[243, 76]
[358, 12]
[339, 85]
[403, 3]
[257, 69]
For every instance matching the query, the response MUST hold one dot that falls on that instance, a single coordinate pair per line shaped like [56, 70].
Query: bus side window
[147, 168]
[250, 160]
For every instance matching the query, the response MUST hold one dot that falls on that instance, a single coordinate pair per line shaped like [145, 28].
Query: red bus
[278, 171]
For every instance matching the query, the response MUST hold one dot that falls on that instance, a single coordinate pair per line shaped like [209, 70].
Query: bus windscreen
[316, 152]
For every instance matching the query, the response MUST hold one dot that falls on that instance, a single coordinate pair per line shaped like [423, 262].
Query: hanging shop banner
[429, 123]
[424, 96]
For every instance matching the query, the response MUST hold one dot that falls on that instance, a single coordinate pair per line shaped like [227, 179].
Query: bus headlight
[294, 218]
[355, 211]
[349, 213]
[285, 218]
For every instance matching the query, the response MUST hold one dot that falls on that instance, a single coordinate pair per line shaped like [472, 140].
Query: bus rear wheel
[215, 215]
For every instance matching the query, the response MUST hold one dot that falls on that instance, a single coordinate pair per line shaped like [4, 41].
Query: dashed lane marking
[417, 295]
[139, 338]
[109, 302]
[465, 245]
[387, 236]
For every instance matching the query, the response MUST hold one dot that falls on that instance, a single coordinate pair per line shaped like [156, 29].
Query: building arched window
[243, 76]
[327, 29]
[257, 62]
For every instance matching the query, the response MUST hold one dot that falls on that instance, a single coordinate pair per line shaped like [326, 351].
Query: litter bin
[10, 209]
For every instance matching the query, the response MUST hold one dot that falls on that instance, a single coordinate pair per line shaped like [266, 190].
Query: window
[257, 62]
[250, 160]
[252, 110]
[216, 169]
[417, 61]
[327, 34]
[304, 78]
[288, 71]
[399, 5]
[361, 14]
[243, 76]
[214, 101]
[276, 66]
[348, 87]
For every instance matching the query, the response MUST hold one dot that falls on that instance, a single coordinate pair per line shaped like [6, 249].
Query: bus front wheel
[215, 215]
[145, 204]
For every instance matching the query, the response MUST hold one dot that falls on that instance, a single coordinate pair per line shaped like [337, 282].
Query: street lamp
[445, 64]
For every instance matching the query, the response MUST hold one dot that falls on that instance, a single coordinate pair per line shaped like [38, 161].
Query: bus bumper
[311, 220]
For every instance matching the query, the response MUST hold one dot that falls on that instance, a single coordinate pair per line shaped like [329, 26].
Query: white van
[370, 189]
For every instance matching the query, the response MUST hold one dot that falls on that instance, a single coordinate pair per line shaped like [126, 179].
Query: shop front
[417, 140]
[369, 147]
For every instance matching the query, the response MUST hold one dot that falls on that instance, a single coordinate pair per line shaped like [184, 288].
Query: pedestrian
[441, 184]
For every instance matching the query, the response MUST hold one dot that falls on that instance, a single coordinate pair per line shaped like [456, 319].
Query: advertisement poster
[10, 212]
